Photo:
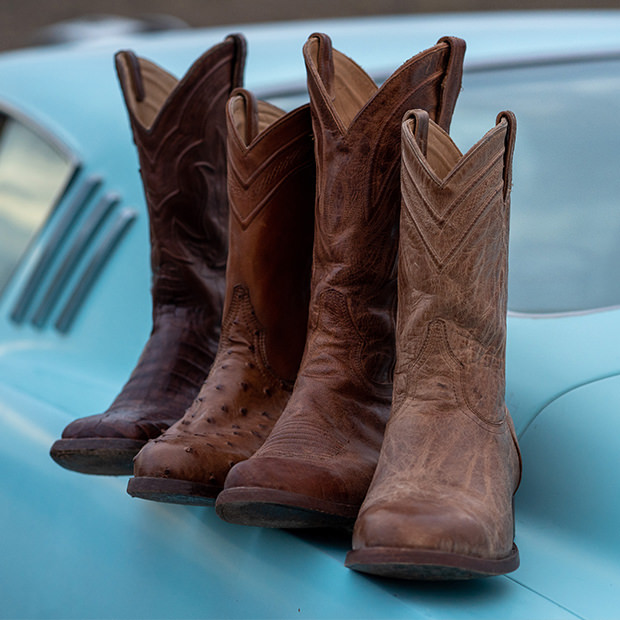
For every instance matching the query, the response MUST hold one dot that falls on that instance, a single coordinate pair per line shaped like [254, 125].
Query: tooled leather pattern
[233, 413]
[183, 167]
[358, 208]
[258, 181]
[454, 274]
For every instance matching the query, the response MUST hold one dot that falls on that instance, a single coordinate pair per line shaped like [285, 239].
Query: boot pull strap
[250, 109]
[325, 61]
[135, 75]
[238, 65]
[511, 135]
[419, 129]
[451, 84]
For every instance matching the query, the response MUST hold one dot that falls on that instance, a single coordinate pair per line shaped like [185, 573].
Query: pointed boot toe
[426, 540]
[104, 444]
[174, 469]
[285, 493]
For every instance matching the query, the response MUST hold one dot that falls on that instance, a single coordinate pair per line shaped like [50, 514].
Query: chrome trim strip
[559, 314]
[87, 232]
[119, 228]
[61, 230]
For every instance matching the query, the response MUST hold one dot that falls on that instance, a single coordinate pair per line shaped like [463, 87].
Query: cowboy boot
[315, 467]
[179, 130]
[271, 191]
[440, 504]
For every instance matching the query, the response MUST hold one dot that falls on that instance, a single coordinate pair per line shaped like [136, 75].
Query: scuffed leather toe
[423, 526]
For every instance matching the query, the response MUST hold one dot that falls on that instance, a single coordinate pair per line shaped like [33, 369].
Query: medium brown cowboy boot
[179, 131]
[316, 466]
[440, 503]
[271, 190]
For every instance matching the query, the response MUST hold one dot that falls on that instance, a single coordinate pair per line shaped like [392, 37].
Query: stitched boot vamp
[233, 414]
[334, 421]
[426, 497]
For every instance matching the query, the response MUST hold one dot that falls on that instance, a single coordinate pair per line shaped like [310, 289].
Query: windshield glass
[33, 174]
[565, 214]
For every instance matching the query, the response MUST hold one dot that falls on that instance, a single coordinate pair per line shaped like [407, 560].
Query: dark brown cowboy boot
[316, 466]
[440, 504]
[179, 129]
[271, 190]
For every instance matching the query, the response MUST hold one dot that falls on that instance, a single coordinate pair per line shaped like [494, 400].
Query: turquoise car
[75, 312]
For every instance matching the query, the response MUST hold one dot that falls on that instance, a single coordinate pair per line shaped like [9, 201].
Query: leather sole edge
[173, 491]
[104, 456]
[420, 564]
[274, 508]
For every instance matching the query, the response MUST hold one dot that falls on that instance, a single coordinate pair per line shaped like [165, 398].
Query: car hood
[77, 546]
[568, 507]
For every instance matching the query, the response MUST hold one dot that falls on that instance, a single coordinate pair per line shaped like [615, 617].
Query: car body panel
[79, 546]
[549, 356]
[569, 506]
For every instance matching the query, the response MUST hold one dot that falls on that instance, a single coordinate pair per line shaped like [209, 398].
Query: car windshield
[33, 174]
[565, 219]
[565, 211]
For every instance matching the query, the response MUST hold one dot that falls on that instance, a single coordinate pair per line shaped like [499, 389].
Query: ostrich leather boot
[271, 177]
[179, 129]
[440, 503]
[315, 467]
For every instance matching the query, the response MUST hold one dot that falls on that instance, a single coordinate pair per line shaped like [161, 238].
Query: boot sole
[101, 456]
[173, 491]
[281, 509]
[404, 563]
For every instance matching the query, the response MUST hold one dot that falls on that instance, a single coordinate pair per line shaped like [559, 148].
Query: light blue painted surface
[76, 546]
[569, 505]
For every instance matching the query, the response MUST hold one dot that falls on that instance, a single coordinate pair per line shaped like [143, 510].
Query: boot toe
[282, 492]
[114, 425]
[428, 526]
[285, 474]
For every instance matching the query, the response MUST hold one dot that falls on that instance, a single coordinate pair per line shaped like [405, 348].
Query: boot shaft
[179, 130]
[271, 181]
[357, 133]
[453, 262]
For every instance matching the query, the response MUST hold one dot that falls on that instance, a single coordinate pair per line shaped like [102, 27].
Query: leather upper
[449, 464]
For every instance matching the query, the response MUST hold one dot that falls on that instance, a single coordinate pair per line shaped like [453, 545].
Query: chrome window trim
[75, 164]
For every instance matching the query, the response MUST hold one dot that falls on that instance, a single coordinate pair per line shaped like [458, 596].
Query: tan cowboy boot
[440, 503]
[316, 465]
[179, 131]
[271, 189]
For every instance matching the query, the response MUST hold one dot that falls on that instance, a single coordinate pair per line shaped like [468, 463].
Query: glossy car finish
[74, 316]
